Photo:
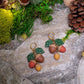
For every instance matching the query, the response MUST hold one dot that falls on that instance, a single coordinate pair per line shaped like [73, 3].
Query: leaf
[30, 57]
[59, 42]
[48, 43]
[39, 51]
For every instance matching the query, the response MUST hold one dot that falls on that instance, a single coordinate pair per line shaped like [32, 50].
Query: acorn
[61, 49]
[52, 48]
[32, 63]
[39, 58]
[24, 1]
[83, 53]
[57, 56]
[38, 67]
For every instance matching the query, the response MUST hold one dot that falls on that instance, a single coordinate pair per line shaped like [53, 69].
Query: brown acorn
[52, 48]
[39, 58]
[24, 1]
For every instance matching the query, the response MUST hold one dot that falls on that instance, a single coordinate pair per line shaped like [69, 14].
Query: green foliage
[23, 22]
[30, 57]
[68, 33]
[25, 16]
[46, 19]
[59, 42]
[52, 2]
[6, 22]
[39, 50]
[48, 43]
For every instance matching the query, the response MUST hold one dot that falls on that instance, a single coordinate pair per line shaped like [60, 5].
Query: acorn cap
[39, 58]
[33, 61]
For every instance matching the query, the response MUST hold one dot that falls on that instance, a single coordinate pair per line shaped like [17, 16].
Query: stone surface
[12, 45]
[63, 71]
[7, 75]
[81, 71]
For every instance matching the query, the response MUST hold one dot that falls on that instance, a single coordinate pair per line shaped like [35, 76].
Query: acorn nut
[83, 53]
[39, 58]
[38, 67]
[57, 56]
[32, 63]
[52, 48]
[62, 49]
[24, 1]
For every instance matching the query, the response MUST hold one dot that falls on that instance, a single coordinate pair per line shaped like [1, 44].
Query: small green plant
[53, 2]
[6, 22]
[68, 33]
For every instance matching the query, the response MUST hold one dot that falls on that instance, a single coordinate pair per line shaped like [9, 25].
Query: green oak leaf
[48, 43]
[39, 50]
[59, 42]
[30, 57]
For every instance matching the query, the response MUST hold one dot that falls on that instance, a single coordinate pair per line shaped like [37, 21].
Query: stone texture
[63, 71]
[12, 45]
[7, 75]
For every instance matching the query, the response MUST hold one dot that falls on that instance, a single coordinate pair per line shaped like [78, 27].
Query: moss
[68, 33]
[6, 22]
[24, 17]
[46, 19]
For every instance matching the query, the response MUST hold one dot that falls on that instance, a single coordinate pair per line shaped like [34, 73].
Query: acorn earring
[55, 45]
[35, 57]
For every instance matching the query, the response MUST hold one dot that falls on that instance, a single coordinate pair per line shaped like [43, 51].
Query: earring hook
[33, 46]
[49, 35]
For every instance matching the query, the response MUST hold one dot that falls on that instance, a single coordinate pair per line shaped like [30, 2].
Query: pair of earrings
[36, 57]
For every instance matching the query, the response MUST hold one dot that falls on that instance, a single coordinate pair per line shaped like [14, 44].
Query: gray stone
[7, 75]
